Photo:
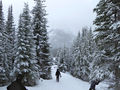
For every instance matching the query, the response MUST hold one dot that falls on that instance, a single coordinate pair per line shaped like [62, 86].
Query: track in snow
[67, 82]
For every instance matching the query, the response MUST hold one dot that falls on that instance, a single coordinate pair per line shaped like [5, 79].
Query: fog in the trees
[60, 38]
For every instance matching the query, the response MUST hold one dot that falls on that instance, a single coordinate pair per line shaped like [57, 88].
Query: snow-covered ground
[67, 82]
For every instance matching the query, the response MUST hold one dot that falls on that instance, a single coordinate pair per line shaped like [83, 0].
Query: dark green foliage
[10, 44]
[108, 36]
[25, 62]
[3, 40]
[41, 39]
[63, 59]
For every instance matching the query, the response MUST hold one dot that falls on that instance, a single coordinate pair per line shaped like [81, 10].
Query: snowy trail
[67, 82]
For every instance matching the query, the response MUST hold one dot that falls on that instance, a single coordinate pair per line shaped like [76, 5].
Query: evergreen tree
[26, 62]
[63, 59]
[115, 38]
[83, 52]
[108, 36]
[3, 40]
[10, 44]
[102, 22]
[41, 39]
[76, 49]
[84, 61]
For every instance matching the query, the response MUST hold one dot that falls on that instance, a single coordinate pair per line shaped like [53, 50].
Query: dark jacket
[17, 85]
[58, 73]
[93, 84]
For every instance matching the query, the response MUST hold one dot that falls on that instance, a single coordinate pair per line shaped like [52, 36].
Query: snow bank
[67, 82]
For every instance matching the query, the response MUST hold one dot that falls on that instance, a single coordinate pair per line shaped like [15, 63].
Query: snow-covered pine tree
[41, 39]
[91, 52]
[84, 59]
[10, 44]
[26, 62]
[3, 40]
[102, 22]
[108, 36]
[82, 54]
[68, 58]
[76, 49]
[114, 36]
[63, 59]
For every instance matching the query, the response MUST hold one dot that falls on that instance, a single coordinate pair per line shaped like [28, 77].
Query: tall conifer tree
[26, 62]
[41, 39]
[108, 37]
[3, 57]
[10, 44]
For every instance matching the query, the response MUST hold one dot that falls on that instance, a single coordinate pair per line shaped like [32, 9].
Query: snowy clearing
[67, 82]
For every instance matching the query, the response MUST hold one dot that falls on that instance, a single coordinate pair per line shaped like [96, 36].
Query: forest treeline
[95, 54]
[25, 49]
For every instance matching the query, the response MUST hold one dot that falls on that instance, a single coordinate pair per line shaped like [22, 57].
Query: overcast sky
[69, 15]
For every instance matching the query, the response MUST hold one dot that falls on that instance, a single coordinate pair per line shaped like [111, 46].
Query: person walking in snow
[17, 85]
[58, 75]
[93, 84]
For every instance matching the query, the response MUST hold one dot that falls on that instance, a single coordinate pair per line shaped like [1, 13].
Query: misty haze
[59, 45]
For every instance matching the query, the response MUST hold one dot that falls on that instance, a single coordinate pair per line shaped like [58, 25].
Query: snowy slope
[67, 82]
